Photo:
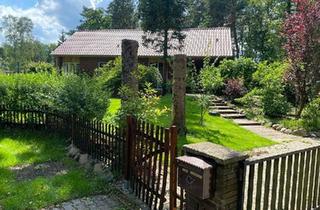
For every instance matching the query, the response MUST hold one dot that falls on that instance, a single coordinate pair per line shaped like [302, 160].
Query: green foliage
[211, 79]
[251, 99]
[82, 96]
[94, 19]
[311, 115]
[242, 68]
[204, 104]
[38, 67]
[109, 76]
[117, 9]
[142, 105]
[70, 94]
[274, 102]
[193, 78]
[270, 73]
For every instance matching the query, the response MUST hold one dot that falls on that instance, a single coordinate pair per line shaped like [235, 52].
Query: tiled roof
[198, 43]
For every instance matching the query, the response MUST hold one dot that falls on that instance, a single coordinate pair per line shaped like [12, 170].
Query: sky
[50, 17]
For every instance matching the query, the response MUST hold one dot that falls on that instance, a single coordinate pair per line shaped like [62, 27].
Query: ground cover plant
[215, 129]
[20, 189]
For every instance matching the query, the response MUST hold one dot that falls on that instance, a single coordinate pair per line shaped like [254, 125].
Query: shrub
[109, 76]
[253, 98]
[242, 68]
[142, 105]
[234, 89]
[274, 102]
[69, 94]
[211, 79]
[311, 115]
[38, 67]
[82, 96]
[204, 104]
[193, 78]
[270, 73]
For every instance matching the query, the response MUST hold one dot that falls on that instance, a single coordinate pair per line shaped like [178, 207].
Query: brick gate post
[226, 179]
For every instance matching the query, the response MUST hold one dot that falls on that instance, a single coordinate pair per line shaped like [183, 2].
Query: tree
[62, 38]
[18, 35]
[302, 34]
[162, 21]
[259, 26]
[122, 13]
[94, 19]
[195, 16]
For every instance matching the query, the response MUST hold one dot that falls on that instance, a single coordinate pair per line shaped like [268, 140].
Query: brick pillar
[179, 92]
[226, 184]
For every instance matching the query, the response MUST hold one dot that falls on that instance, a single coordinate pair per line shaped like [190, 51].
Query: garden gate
[142, 152]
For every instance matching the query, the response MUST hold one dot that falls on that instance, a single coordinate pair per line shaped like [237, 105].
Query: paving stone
[99, 202]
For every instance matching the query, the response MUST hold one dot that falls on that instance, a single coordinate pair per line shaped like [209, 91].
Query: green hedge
[70, 94]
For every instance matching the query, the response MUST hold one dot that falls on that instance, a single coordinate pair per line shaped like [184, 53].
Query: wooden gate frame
[170, 148]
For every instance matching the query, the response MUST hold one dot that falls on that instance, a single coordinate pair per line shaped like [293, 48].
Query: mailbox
[195, 175]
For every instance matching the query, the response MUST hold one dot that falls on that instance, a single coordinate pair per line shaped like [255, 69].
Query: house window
[71, 68]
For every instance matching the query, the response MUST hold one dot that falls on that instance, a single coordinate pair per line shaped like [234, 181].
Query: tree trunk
[166, 66]
[179, 93]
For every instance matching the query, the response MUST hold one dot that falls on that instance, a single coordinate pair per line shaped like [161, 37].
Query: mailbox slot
[195, 175]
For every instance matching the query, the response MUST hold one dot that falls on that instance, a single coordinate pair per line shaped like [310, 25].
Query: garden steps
[233, 116]
[226, 111]
[221, 107]
[246, 122]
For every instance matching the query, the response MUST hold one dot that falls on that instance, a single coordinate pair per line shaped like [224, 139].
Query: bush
[211, 79]
[234, 89]
[242, 68]
[311, 116]
[109, 76]
[193, 79]
[253, 98]
[142, 105]
[274, 102]
[69, 94]
[38, 67]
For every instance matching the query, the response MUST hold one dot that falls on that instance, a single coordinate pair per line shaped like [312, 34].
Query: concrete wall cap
[219, 154]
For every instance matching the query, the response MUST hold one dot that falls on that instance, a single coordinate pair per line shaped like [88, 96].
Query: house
[87, 50]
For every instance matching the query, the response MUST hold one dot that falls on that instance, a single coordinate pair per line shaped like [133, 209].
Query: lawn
[216, 129]
[21, 148]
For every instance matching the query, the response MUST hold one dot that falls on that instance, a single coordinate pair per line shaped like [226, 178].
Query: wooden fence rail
[288, 181]
[141, 152]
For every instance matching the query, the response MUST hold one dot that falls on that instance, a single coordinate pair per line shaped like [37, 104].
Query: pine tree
[122, 13]
[163, 21]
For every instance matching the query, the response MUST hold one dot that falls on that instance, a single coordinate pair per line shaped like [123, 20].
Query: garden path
[99, 202]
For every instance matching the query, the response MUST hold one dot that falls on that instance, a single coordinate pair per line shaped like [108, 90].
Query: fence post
[226, 181]
[127, 148]
[173, 167]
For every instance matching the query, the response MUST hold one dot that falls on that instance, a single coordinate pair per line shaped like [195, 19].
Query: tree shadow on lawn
[21, 146]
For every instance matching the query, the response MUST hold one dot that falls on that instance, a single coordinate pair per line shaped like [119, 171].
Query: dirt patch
[32, 171]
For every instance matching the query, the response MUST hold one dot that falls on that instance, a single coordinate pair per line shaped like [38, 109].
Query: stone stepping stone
[227, 111]
[233, 116]
[221, 107]
[220, 104]
[246, 122]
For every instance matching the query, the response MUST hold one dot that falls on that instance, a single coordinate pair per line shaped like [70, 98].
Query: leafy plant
[204, 104]
[142, 105]
[311, 115]
[234, 89]
[274, 102]
[193, 83]
[38, 67]
[211, 79]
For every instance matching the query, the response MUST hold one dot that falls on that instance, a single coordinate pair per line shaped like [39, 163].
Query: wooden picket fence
[141, 152]
[287, 181]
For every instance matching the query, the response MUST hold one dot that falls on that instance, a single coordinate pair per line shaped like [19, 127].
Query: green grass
[216, 129]
[21, 147]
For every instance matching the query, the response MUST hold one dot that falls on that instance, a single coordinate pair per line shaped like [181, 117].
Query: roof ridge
[140, 30]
